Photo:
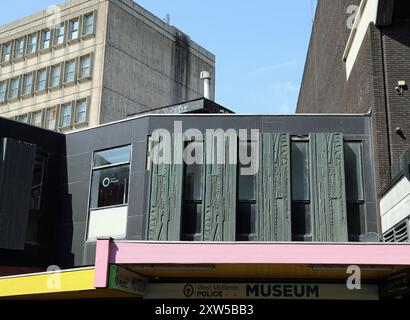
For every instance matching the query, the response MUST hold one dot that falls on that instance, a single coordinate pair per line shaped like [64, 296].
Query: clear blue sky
[260, 46]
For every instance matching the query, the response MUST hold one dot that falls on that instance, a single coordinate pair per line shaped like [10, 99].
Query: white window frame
[80, 78]
[87, 109]
[33, 116]
[51, 86]
[50, 40]
[6, 91]
[23, 84]
[30, 36]
[46, 121]
[70, 31]
[15, 57]
[74, 71]
[84, 20]
[10, 97]
[55, 37]
[60, 122]
[10, 54]
[36, 89]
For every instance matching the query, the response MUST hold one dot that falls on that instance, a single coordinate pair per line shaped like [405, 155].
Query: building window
[45, 39]
[301, 217]
[110, 177]
[245, 216]
[37, 118]
[6, 52]
[69, 71]
[51, 118]
[191, 218]
[3, 91]
[32, 43]
[23, 118]
[38, 177]
[66, 113]
[55, 76]
[27, 84]
[14, 88]
[88, 25]
[85, 67]
[74, 28]
[19, 48]
[59, 34]
[81, 111]
[354, 189]
[41, 80]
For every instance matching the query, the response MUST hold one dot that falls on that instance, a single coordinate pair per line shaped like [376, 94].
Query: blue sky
[260, 46]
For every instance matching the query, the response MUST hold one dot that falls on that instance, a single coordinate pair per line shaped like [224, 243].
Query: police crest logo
[188, 290]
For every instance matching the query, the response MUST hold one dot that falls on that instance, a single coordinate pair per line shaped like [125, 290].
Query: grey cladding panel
[219, 211]
[164, 210]
[328, 193]
[273, 188]
[16, 176]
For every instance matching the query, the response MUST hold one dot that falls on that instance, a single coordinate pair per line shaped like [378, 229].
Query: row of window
[45, 39]
[110, 179]
[64, 116]
[48, 78]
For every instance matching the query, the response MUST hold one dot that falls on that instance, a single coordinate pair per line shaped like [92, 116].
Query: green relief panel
[165, 202]
[219, 210]
[273, 206]
[328, 200]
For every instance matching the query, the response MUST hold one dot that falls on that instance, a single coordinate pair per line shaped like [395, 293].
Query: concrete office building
[85, 63]
[364, 67]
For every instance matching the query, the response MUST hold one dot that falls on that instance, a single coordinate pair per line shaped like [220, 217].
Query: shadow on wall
[181, 62]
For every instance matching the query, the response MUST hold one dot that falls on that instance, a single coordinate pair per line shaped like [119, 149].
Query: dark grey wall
[148, 64]
[81, 145]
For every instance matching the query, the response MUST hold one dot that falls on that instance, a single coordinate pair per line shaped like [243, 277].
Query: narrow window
[110, 177]
[27, 84]
[59, 34]
[36, 118]
[88, 24]
[14, 88]
[6, 52]
[3, 91]
[81, 111]
[354, 189]
[51, 118]
[66, 115]
[191, 224]
[41, 80]
[32, 43]
[85, 67]
[45, 39]
[245, 215]
[74, 26]
[69, 71]
[19, 48]
[55, 76]
[301, 218]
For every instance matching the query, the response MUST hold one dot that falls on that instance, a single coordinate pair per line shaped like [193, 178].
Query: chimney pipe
[206, 76]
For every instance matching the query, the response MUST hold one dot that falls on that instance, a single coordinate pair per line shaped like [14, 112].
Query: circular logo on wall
[106, 182]
[188, 290]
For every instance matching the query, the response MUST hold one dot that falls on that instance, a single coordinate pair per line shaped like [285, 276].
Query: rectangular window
[14, 88]
[300, 179]
[66, 115]
[74, 28]
[51, 118]
[19, 48]
[81, 111]
[32, 43]
[27, 84]
[85, 67]
[110, 177]
[3, 90]
[245, 215]
[6, 52]
[45, 39]
[37, 118]
[354, 189]
[23, 118]
[69, 71]
[59, 33]
[55, 76]
[41, 80]
[191, 224]
[88, 25]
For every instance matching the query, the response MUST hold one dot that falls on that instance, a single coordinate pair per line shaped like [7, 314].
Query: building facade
[87, 62]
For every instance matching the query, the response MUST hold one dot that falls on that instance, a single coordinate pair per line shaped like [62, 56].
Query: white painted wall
[395, 205]
[111, 222]
[366, 15]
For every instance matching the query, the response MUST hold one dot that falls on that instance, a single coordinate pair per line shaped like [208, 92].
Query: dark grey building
[314, 182]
